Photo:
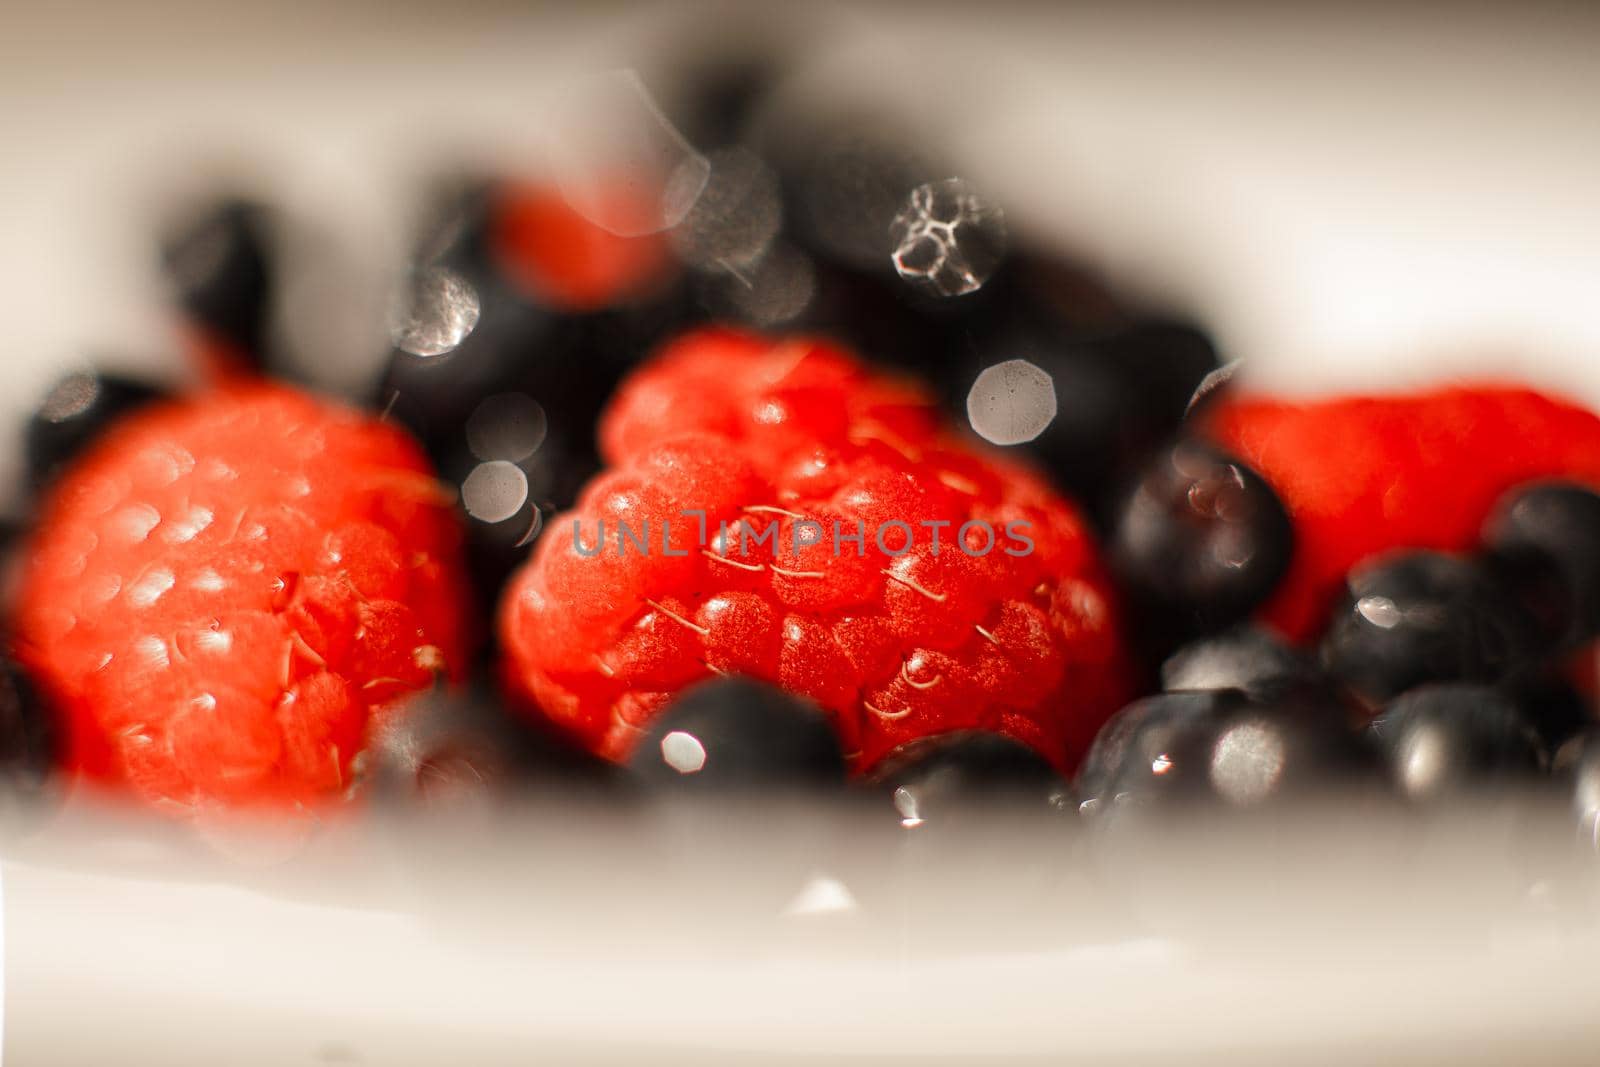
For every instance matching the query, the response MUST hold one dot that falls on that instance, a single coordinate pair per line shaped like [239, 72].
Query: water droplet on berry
[1011, 403]
[442, 311]
[494, 491]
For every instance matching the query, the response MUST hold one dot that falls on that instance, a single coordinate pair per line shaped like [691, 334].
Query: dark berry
[78, 409]
[1197, 748]
[733, 733]
[28, 735]
[1439, 740]
[503, 385]
[1247, 658]
[1550, 703]
[1199, 542]
[1549, 534]
[1579, 764]
[938, 777]
[456, 745]
[220, 264]
[1423, 617]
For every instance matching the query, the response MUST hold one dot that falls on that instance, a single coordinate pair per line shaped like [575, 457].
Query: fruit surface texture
[224, 592]
[1361, 476]
[809, 522]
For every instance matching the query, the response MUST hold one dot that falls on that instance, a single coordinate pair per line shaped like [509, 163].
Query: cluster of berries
[251, 595]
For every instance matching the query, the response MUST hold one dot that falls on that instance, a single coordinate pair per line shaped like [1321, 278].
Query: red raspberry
[896, 645]
[1363, 475]
[225, 591]
[565, 260]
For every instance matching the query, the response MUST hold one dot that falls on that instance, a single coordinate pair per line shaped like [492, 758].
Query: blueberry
[734, 733]
[939, 777]
[457, 744]
[221, 267]
[77, 410]
[1218, 747]
[28, 735]
[1142, 733]
[1199, 542]
[1246, 658]
[1442, 739]
[1424, 617]
[1548, 534]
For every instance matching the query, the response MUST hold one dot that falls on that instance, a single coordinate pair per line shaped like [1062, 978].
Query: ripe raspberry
[896, 644]
[223, 592]
[569, 262]
[1364, 475]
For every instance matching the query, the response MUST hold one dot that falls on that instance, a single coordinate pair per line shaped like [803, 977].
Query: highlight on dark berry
[1444, 739]
[1248, 658]
[456, 746]
[1422, 617]
[1548, 536]
[1578, 764]
[735, 733]
[1202, 748]
[76, 410]
[1200, 541]
[939, 777]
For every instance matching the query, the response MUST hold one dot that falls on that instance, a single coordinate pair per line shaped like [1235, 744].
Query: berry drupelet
[225, 591]
[821, 485]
